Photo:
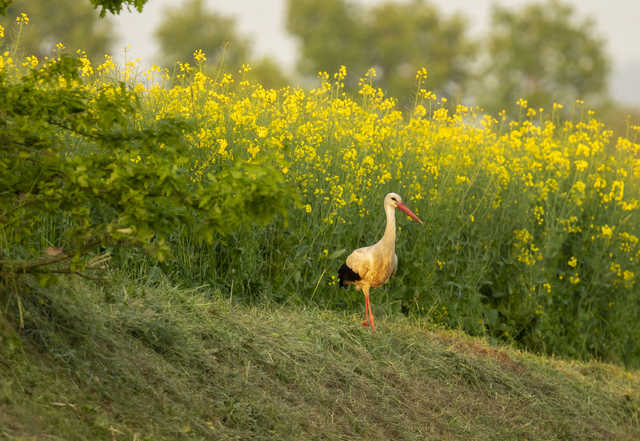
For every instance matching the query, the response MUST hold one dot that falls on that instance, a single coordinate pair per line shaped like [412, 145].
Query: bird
[370, 267]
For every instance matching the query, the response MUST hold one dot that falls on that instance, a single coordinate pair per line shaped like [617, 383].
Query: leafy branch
[112, 6]
[82, 156]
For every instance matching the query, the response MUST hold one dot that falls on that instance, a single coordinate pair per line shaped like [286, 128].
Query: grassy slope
[131, 361]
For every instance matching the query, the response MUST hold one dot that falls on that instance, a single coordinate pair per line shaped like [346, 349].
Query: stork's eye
[394, 199]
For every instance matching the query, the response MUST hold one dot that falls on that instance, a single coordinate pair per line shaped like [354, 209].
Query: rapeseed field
[531, 216]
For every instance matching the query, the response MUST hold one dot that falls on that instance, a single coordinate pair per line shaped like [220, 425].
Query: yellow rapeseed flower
[581, 165]
[616, 268]
[371, 73]
[617, 191]
[421, 74]
[31, 61]
[86, 69]
[22, 19]
[262, 132]
[607, 231]
[199, 56]
[222, 146]
[341, 74]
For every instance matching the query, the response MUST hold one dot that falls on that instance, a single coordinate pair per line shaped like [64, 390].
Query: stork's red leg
[366, 311]
[373, 326]
[367, 307]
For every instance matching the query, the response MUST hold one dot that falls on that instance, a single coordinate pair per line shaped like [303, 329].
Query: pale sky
[617, 21]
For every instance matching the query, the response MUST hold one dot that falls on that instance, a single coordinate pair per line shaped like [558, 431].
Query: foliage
[541, 53]
[79, 155]
[112, 6]
[4, 4]
[74, 24]
[115, 6]
[394, 38]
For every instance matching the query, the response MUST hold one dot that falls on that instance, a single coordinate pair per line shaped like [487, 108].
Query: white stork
[371, 267]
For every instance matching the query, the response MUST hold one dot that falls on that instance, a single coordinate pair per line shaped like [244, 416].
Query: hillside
[144, 360]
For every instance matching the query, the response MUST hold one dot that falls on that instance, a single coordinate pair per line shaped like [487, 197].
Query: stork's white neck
[389, 238]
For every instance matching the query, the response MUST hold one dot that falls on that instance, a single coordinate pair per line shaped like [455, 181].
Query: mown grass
[146, 360]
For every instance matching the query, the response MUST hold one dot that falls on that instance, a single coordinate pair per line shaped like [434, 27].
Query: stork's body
[370, 267]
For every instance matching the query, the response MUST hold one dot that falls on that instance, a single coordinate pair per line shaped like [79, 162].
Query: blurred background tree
[540, 52]
[395, 38]
[403, 37]
[330, 33]
[191, 26]
[619, 118]
[76, 24]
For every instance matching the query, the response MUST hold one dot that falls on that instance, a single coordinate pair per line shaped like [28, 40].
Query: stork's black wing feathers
[346, 274]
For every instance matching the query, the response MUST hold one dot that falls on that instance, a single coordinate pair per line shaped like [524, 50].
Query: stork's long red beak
[410, 213]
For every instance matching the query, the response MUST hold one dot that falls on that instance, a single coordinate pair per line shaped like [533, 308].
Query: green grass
[147, 361]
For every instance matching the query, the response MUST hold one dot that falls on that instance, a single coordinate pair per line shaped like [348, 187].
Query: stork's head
[394, 200]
